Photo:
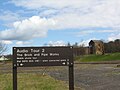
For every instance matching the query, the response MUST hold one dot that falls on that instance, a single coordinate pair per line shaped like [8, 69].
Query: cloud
[6, 42]
[68, 14]
[113, 37]
[36, 4]
[27, 29]
[56, 43]
[77, 13]
[86, 42]
[23, 42]
[8, 17]
[84, 33]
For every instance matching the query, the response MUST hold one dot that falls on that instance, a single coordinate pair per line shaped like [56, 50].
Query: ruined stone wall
[99, 48]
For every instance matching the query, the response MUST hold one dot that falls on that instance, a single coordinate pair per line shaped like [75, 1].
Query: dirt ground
[98, 77]
[86, 76]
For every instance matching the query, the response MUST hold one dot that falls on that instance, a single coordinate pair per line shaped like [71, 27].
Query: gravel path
[93, 77]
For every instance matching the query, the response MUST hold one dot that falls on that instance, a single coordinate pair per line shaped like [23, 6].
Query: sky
[57, 22]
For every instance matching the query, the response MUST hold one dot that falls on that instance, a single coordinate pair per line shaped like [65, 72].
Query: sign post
[43, 56]
[71, 78]
[14, 72]
[14, 78]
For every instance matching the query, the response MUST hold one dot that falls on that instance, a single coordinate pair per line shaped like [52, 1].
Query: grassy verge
[32, 82]
[96, 58]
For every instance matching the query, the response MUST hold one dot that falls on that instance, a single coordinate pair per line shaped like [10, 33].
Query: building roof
[96, 41]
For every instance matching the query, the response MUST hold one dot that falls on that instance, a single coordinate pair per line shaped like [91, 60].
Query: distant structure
[3, 58]
[96, 47]
[77, 51]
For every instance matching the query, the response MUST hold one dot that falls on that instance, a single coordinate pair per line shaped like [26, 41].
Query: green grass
[93, 58]
[32, 82]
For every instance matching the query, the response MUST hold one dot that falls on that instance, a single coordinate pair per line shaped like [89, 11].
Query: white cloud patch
[77, 13]
[8, 16]
[88, 31]
[6, 42]
[27, 29]
[56, 43]
[113, 37]
[85, 32]
[36, 4]
[23, 43]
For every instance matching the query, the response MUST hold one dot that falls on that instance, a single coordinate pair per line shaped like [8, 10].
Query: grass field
[32, 82]
[96, 58]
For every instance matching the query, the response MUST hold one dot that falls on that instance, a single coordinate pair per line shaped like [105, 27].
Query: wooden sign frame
[43, 56]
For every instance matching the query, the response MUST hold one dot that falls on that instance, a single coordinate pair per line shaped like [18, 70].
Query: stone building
[96, 47]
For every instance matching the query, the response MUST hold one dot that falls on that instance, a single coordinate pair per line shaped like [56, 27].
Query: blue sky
[57, 22]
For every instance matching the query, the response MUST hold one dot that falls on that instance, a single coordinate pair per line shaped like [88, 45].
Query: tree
[75, 45]
[68, 44]
[3, 48]
[112, 46]
[117, 45]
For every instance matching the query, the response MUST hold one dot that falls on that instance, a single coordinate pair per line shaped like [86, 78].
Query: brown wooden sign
[42, 56]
